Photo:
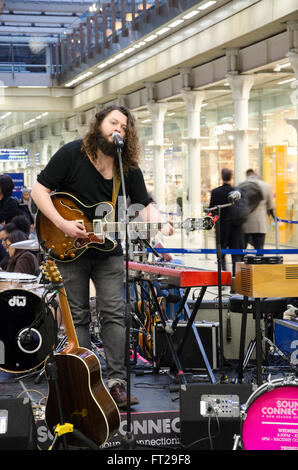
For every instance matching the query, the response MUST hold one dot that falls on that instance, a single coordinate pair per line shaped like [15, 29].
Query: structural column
[193, 100]
[293, 58]
[241, 86]
[158, 111]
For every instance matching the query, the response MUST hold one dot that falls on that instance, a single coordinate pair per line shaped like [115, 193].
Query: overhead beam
[63, 7]
[38, 19]
[34, 30]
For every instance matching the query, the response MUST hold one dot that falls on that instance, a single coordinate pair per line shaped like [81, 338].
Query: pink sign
[272, 421]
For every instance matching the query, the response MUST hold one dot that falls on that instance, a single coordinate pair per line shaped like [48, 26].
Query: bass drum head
[27, 331]
[271, 420]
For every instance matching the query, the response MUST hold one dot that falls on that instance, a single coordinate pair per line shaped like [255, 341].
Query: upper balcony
[51, 49]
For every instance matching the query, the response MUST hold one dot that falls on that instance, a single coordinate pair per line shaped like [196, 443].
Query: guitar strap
[116, 187]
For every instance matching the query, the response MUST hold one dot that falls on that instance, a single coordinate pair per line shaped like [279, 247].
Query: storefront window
[272, 144]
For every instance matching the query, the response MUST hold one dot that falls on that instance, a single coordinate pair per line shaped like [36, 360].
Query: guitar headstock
[51, 272]
[192, 224]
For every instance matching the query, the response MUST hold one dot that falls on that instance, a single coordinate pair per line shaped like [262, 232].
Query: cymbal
[32, 245]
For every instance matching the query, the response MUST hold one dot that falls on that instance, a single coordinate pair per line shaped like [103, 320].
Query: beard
[108, 148]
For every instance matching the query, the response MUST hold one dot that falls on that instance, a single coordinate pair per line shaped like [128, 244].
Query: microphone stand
[219, 270]
[128, 439]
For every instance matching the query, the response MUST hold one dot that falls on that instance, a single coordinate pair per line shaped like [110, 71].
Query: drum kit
[268, 420]
[27, 320]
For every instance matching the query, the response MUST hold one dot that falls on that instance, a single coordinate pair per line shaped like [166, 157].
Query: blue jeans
[107, 274]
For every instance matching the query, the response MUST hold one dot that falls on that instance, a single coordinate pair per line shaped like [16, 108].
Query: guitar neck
[138, 226]
[68, 322]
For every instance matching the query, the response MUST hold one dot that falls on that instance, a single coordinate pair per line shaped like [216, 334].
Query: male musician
[87, 168]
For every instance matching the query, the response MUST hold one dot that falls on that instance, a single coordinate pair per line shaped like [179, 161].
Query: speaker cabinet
[17, 426]
[210, 415]
[191, 357]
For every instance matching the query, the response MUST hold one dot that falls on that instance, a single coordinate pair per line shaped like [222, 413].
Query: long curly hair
[131, 148]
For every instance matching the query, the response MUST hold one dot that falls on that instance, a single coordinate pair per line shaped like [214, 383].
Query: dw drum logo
[17, 301]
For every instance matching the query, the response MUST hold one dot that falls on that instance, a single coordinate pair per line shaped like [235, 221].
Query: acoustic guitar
[85, 401]
[98, 220]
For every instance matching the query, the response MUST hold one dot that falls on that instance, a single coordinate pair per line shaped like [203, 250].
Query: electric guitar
[103, 232]
[85, 401]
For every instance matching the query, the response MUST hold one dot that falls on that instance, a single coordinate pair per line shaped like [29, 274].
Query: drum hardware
[32, 245]
[272, 348]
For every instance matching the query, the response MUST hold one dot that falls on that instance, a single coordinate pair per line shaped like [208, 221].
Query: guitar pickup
[97, 227]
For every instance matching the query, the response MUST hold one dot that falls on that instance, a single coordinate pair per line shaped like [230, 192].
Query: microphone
[117, 139]
[234, 196]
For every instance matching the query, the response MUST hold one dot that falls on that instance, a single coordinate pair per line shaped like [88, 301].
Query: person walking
[231, 233]
[260, 200]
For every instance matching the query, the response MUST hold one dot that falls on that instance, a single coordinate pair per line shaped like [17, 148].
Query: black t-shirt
[70, 170]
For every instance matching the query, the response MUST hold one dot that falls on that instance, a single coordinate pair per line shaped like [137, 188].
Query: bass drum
[27, 331]
[270, 421]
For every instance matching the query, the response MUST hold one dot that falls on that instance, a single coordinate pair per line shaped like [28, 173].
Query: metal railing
[99, 31]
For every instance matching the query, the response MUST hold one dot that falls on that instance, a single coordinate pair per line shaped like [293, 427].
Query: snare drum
[270, 421]
[14, 280]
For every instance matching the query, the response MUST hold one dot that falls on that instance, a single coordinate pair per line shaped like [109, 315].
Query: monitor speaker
[17, 425]
[210, 415]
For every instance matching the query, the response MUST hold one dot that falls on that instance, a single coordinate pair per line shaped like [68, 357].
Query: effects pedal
[223, 406]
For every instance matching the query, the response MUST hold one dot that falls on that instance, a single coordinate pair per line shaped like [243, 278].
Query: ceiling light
[78, 79]
[150, 38]
[176, 23]
[5, 115]
[286, 81]
[32, 86]
[190, 14]
[118, 56]
[282, 66]
[129, 50]
[110, 61]
[162, 31]
[29, 122]
[206, 5]
[101, 66]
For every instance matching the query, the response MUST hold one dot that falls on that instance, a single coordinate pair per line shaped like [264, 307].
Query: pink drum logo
[272, 421]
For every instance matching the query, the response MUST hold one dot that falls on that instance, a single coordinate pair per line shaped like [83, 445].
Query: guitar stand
[61, 430]
[163, 319]
[190, 325]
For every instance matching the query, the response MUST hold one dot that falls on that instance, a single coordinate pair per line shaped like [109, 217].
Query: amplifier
[210, 415]
[17, 425]
[191, 357]
[262, 280]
